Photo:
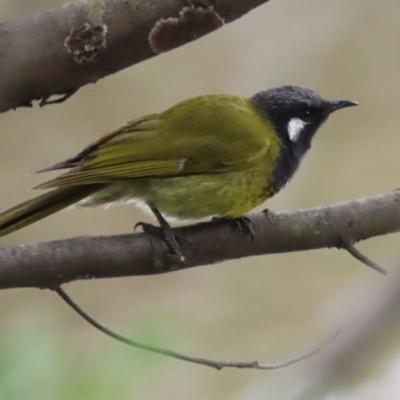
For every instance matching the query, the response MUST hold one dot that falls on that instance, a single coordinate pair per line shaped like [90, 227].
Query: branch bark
[50, 264]
[58, 51]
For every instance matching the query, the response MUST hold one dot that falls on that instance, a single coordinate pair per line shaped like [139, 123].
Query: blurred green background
[266, 308]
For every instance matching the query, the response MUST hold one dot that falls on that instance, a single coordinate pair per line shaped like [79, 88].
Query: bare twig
[195, 360]
[364, 259]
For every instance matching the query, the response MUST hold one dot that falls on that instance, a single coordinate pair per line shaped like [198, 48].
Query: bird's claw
[241, 225]
[245, 225]
[169, 236]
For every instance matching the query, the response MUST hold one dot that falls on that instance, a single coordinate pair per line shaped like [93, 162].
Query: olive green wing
[208, 134]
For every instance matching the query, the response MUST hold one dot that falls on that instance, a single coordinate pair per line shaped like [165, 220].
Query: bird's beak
[339, 104]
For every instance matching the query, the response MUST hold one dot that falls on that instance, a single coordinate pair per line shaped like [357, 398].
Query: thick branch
[49, 264]
[60, 50]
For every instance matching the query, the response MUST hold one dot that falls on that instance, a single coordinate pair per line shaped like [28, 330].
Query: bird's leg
[242, 224]
[165, 230]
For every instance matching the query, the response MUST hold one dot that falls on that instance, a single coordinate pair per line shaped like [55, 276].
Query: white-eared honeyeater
[215, 155]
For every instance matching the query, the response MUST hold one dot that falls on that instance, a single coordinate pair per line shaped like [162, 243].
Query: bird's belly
[192, 197]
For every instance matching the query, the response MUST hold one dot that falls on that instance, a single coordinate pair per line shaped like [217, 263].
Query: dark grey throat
[287, 165]
[291, 153]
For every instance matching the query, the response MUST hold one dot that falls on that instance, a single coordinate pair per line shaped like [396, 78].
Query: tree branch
[58, 51]
[50, 264]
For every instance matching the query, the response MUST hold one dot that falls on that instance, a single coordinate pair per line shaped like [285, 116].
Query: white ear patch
[295, 127]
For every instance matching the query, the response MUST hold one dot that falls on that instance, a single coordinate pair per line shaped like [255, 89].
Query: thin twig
[364, 259]
[196, 360]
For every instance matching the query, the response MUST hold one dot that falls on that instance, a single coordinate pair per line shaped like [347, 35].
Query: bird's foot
[242, 225]
[168, 234]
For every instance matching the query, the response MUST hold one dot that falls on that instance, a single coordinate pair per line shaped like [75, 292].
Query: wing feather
[208, 134]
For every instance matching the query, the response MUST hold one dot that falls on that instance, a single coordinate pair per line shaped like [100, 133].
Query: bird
[207, 156]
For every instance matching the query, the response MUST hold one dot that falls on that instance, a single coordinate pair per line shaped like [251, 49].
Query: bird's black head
[296, 113]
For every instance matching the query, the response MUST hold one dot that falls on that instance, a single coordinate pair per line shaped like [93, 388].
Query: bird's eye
[308, 114]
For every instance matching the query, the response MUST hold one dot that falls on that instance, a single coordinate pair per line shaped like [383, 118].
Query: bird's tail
[40, 207]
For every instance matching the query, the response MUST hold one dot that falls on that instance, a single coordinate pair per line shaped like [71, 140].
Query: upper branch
[58, 51]
[49, 264]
